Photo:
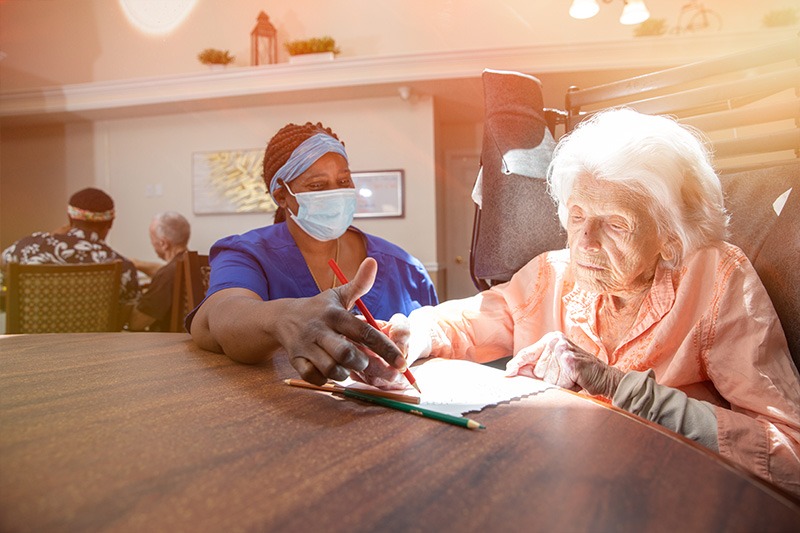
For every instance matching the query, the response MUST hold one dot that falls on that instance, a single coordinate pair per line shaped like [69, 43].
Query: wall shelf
[355, 77]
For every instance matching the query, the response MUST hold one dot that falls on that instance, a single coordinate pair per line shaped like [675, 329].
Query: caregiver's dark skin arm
[318, 333]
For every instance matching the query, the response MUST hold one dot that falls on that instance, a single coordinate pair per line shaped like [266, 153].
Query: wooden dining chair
[191, 283]
[197, 272]
[63, 298]
[179, 308]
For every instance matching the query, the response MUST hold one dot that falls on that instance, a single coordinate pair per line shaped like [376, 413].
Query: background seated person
[169, 235]
[252, 309]
[90, 214]
[648, 308]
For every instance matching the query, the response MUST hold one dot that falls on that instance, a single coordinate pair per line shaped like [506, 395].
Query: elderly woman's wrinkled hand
[378, 372]
[557, 360]
[414, 342]
[413, 346]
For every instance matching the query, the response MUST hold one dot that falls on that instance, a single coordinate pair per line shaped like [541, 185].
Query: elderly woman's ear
[671, 252]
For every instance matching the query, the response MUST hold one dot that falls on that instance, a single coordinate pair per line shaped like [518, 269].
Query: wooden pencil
[334, 387]
[415, 410]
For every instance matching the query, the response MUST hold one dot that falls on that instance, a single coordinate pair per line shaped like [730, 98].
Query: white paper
[456, 387]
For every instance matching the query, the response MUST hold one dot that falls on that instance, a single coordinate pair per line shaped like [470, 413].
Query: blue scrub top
[268, 262]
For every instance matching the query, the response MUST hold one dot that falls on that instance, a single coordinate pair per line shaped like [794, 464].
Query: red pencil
[370, 319]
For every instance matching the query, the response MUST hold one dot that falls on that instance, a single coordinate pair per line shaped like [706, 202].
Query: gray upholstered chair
[517, 219]
[765, 223]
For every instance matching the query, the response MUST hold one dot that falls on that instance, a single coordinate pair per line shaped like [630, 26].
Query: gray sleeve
[638, 393]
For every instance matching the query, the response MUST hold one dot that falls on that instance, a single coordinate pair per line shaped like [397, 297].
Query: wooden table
[146, 432]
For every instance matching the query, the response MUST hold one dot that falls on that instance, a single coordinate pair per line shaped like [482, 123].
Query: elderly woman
[270, 288]
[648, 307]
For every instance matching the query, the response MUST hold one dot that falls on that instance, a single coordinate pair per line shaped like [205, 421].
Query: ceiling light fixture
[634, 12]
[156, 17]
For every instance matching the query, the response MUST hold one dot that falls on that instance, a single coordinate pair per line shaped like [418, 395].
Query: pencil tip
[416, 387]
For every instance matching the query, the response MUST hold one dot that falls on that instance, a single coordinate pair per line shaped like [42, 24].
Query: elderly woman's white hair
[655, 157]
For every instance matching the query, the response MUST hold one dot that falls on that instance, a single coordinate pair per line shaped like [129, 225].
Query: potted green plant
[212, 57]
[314, 49]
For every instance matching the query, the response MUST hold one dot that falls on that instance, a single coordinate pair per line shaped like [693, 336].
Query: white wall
[133, 153]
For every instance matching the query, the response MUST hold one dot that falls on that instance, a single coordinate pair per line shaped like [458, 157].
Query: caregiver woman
[271, 290]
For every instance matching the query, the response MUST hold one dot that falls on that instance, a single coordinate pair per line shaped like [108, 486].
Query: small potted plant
[311, 50]
[215, 58]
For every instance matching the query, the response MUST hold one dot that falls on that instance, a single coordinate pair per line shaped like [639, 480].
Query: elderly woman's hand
[557, 360]
[410, 336]
[378, 372]
[413, 342]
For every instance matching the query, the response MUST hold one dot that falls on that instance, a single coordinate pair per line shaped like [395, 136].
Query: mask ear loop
[285, 185]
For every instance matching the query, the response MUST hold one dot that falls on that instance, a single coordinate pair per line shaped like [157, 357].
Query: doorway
[461, 169]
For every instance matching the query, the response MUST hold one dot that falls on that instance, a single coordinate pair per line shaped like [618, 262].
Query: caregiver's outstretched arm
[318, 333]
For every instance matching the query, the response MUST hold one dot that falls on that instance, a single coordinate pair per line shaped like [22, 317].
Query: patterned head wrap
[91, 205]
[76, 213]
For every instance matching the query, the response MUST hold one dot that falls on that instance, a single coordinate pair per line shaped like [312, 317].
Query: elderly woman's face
[613, 240]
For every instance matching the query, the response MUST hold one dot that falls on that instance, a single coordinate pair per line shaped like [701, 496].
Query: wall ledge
[356, 77]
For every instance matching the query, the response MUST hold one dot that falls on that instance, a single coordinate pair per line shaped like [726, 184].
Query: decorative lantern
[263, 42]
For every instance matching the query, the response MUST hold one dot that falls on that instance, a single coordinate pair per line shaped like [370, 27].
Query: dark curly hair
[280, 148]
[92, 199]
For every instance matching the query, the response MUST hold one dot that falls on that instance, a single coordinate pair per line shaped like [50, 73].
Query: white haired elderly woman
[648, 307]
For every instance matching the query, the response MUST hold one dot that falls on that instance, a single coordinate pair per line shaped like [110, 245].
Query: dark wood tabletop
[146, 432]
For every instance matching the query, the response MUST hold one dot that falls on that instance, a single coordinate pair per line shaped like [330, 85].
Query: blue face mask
[325, 215]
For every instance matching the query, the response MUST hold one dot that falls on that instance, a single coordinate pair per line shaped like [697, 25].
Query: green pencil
[415, 409]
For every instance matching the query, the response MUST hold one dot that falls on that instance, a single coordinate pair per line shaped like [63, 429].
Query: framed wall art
[379, 193]
[229, 181]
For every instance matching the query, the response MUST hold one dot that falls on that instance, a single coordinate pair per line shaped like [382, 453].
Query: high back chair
[516, 220]
[764, 204]
[191, 283]
[63, 298]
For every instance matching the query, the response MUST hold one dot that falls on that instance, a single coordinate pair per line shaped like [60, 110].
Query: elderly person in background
[649, 308]
[271, 289]
[90, 215]
[169, 235]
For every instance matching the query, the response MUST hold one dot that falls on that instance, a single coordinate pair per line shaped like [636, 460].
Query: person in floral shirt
[91, 213]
